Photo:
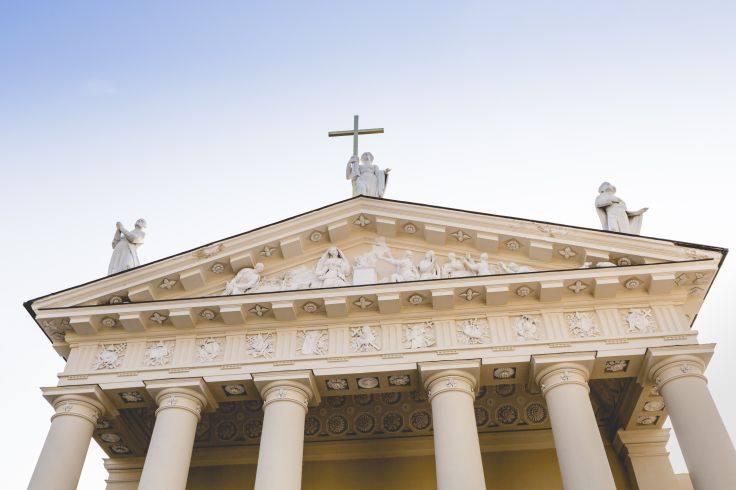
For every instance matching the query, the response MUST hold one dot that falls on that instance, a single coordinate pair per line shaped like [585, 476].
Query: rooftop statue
[368, 179]
[125, 245]
[613, 213]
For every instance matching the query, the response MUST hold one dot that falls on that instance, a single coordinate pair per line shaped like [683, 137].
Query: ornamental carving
[56, 329]
[363, 303]
[582, 324]
[131, 397]
[526, 328]
[469, 294]
[159, 353]
[210, 349]
[234, 390]
[312, 342]
[504, 373]
[616, 366]
[419, 335]
[640, 320]
[337, 384]
[158, 318]
[168, 284]
[402, 380]
[364, 339]
[260, 345]
[654, 406]
[110, 357]
[472, 332]
[567, 253]
[577, 287]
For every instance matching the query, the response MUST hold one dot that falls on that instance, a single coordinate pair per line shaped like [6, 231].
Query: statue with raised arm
[368, 179]
[125, 245]
[247, 279]
[405, 268]
[613, 213]
[333, 268]
[482, 267]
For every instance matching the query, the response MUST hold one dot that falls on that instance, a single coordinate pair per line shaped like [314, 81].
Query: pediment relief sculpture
[334, 269]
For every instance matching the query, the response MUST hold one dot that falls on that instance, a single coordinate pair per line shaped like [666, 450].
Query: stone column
[646, 458]
[706, 446]
[285, 400]
[582, 458]
[62, 457]
[170, 451]
[451, 387]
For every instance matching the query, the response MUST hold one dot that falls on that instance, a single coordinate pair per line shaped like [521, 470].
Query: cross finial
[355, 132]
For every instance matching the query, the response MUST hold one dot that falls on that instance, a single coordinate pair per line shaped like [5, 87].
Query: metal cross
[355, 132]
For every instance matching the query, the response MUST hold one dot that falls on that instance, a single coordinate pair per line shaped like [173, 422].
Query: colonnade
[451, 387]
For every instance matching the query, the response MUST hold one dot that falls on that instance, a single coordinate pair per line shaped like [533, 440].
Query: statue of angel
[427, 267]
[247, 279]
[405, 268]
[482, 267]
[333, 268]
[125, 245]
[613, 213]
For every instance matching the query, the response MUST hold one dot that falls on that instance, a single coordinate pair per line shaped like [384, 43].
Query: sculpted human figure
[333, 268]
[482, 267]
[405, 268]
[613, 213]
[453, 267]
[125, 245]
[368, 179]
[427, 267]
[513, 268]
[245, 280]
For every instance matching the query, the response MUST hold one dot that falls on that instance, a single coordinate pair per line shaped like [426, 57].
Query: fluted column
[281, 450]
[704, 441]
[580, 452]
[62, 457]
[451, 390]
[170, 450]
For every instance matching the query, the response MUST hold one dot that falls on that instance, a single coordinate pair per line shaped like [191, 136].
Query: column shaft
[456, 447]
[281, 450]
[580, 452]
[170, 450]
[706, 446]
[62, 457]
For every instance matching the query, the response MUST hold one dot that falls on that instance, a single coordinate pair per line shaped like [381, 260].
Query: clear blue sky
[210, 118]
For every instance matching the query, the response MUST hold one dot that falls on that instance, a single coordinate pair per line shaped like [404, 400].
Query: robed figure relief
[125, 247]
[613, 213]
[368, 179]
[333, 268]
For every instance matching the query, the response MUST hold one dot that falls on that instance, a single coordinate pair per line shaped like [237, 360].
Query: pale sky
[211, 118]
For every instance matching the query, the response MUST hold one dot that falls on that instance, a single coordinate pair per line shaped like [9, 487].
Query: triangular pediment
[361, 225]
[524, 257]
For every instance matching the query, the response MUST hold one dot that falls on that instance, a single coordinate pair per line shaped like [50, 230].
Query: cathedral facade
[382, 344]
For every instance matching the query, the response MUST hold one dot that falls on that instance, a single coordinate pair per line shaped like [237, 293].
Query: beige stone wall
[517, 470]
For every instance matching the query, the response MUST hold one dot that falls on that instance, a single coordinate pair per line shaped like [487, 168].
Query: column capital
[663, 364]
[551, 370]
[441, 376]
[88, 401]
[295, 386]
[189, 394]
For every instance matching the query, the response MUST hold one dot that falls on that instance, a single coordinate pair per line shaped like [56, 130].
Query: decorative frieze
[419, 335]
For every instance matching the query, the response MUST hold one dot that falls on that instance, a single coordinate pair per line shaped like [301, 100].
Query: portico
[544, 373]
